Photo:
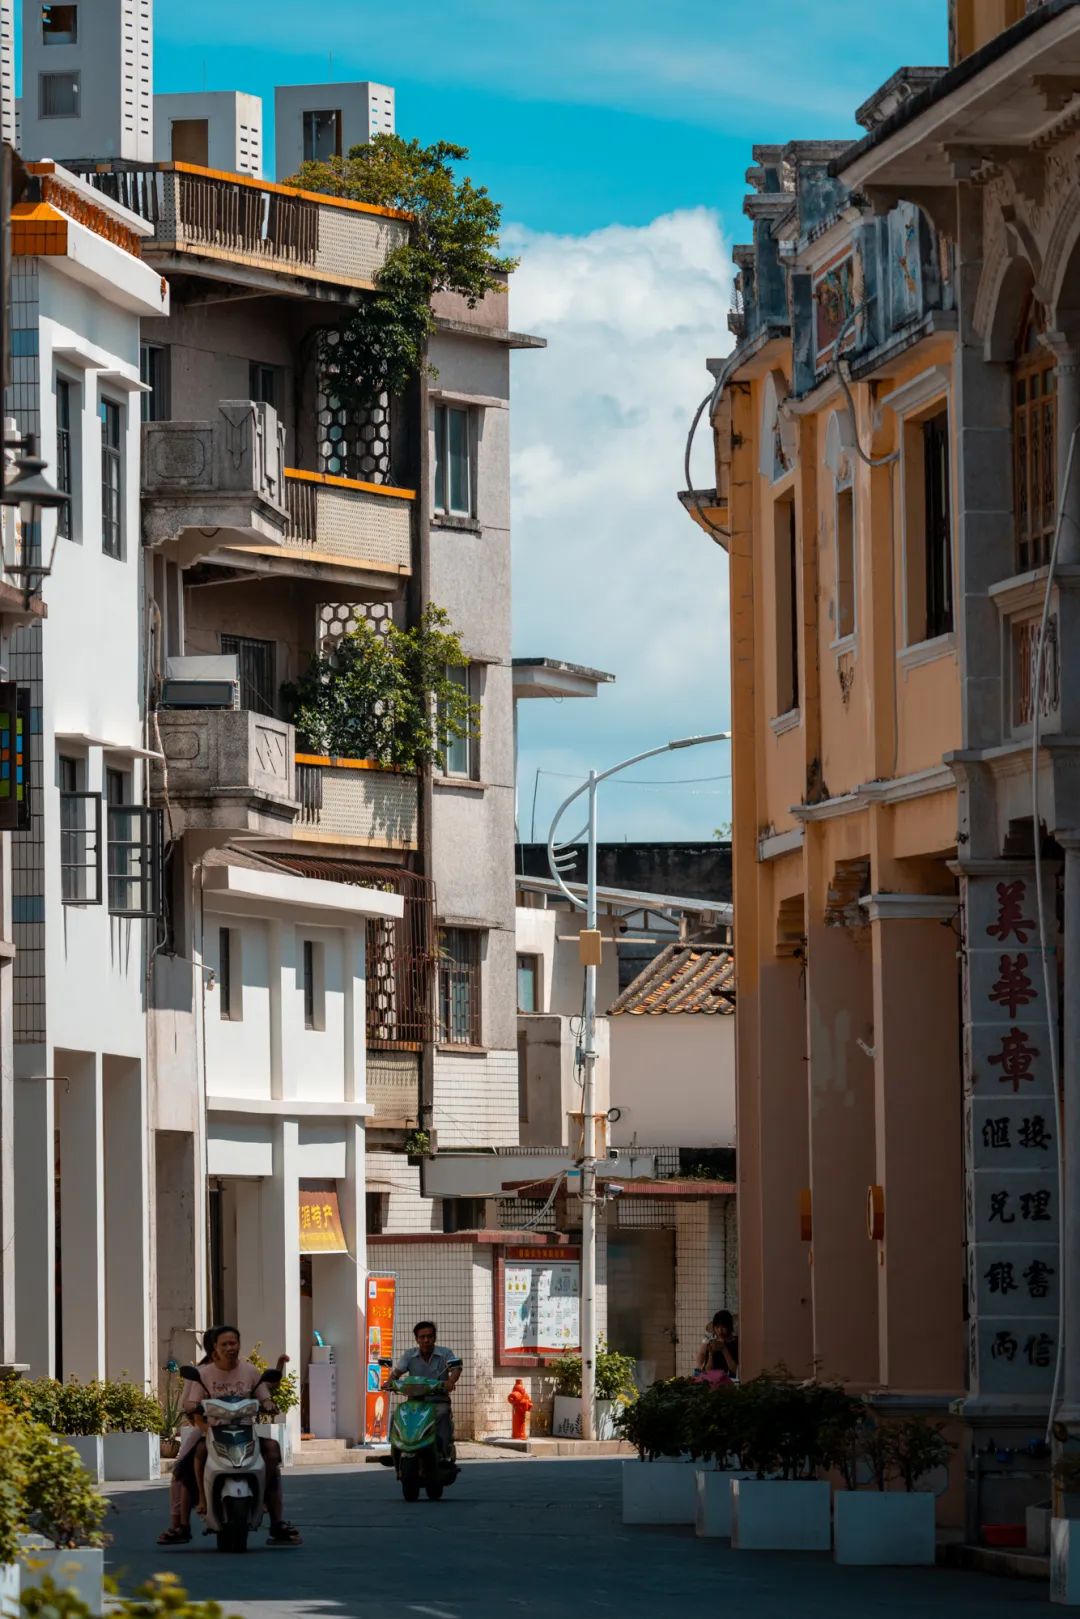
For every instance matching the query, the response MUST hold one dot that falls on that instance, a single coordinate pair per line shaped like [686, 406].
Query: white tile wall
[476, 1099]
[407, 1212]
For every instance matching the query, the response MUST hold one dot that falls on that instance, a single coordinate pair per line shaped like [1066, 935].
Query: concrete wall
[673, 1080]
[552, 934]
[366, 109]
[234, 128]
[114, 58]
[547, 1048]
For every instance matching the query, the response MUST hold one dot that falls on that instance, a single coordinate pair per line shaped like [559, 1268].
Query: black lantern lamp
[31, 493]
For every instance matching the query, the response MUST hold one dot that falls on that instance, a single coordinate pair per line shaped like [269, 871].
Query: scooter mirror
[385, 1361]
[191, 1373]
[272, 1376]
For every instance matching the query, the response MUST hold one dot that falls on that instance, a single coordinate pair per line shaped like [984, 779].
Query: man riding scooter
[431, 1360]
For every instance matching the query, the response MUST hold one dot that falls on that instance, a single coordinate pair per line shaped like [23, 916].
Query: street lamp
[31, 494]
[591, 956]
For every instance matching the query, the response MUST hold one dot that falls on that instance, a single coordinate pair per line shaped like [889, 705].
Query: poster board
[381, 1304]
[537, 1305]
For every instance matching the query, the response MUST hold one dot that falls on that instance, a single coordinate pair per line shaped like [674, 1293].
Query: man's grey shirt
[413, 1364]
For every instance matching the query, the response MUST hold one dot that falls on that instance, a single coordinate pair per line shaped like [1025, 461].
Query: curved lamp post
[588, 1054]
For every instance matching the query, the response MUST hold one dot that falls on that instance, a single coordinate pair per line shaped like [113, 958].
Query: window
[528, 983]
[463, 752]
[375, 1209]
[229, 975]
[190, 141]
[255, 663]
[80, 836]
[58, 95]
[845, 563]
[112, 482]
[63, 455]
[1034, 443]
[462, 1214]
[322, 136]
[459, 987]
[134, 850]
[264, 385]
[453, 471]
[786, 556]
[314, 986]
[154, 374]
[939, 586]
[59, 24]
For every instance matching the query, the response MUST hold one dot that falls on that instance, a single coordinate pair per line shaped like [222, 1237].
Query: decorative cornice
[910, 907]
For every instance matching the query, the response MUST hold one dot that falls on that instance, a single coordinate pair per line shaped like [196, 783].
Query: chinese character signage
[1011, 1124]
[14, 756]
[321, 1230]
[381, 1302]
[538, 1304]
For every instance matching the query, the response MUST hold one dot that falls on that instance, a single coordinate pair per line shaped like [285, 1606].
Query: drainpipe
[419, 597]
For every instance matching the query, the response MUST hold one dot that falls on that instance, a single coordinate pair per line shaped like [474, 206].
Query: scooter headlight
[236, 1452]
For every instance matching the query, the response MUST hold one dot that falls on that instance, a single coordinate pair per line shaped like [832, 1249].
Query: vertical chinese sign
[1011, 1189]
[381, 1295]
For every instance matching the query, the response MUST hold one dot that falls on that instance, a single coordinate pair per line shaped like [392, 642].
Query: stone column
[127, 1221]
[917, 1079]
[35, 1228]
[1070, 1258]
[82, 1214]
[840, 1018]
[339, 1292]
[268, 1254]
[1066, 349]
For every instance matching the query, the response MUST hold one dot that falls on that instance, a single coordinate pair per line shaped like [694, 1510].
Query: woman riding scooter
[222, 1372]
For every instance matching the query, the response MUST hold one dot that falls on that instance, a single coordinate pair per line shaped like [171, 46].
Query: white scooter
[235, 1479]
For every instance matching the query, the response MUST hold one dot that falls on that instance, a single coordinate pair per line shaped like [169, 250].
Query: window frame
[470, 742]
[133, 861]
[442, 472]
[462, 1032]
[926, 618]
[112, 460]
[256, 393]
[230, 975]
[533, 957]
[310, 155]
[251, 700]
[46, 10]
[85, 836]
[60, 73]
[787, 639]
[1034, 405]
[66, 452]
[313, 983]
[845, 537]
[154, 406]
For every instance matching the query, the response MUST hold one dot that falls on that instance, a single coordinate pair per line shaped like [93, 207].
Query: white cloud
[608, 569]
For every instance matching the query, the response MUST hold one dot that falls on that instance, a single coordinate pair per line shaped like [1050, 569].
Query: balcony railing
[255, 222]
[353, 801]
[208, 485]
[228, 768]
[343, 520]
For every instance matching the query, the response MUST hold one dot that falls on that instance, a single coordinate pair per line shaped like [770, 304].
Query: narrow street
[530, 1537]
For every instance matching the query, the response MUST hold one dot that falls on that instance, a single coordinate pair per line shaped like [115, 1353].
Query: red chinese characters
[1016, 1059]
[1011, 921]
[1014, 988]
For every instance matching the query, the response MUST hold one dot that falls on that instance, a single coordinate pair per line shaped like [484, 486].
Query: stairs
[326, 1453]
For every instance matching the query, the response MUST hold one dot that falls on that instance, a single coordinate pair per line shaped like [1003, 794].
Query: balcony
[213, 485]
[227, 769]
[341, 523]
[352, 801]
[202, 218]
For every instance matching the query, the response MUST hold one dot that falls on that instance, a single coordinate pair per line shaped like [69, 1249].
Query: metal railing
[363, 523]
[357, 801]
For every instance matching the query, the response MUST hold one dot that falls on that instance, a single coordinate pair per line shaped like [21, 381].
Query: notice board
[537, 1304]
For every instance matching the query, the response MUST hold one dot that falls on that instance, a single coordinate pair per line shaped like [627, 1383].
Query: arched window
[1034, 442]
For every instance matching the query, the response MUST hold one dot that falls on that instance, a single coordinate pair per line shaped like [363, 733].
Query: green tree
[453, 247]
[386, 696]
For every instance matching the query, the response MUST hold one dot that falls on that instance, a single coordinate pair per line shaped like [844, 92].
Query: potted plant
[172, 1411]
[615, 1387]
[61, 1512]
[132, 1441]
[81, 1418]
[663, 1490]
[286, 1399]
[788, 1431]
[713, 1437]
[885, 1524]
[12, 1476]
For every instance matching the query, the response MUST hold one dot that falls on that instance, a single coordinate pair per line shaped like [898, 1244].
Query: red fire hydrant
[519, 1399]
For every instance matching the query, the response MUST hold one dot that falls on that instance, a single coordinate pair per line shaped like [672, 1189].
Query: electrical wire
[1044, 949]
[838, 369]
[641, 781]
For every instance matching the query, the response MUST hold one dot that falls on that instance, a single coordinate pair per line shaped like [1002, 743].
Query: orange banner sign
[321, 1231]
[381, 1299]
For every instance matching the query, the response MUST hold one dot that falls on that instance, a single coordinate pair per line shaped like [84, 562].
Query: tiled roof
[683, 978]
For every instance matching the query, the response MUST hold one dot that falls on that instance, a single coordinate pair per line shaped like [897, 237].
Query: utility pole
[591, 956]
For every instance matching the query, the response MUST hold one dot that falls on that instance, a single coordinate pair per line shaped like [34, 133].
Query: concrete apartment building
[890, 536]
[332, 969]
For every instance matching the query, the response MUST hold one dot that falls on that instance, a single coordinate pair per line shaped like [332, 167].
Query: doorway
[641, 1300]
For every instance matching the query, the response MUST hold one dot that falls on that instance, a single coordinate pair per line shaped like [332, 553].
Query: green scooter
[414, 1448]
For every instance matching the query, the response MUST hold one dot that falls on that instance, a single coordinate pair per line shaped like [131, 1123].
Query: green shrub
[130, 1409]
[657, 1423]
[711, 1423]
[614, 1375]
[160, 1596]
[917, 1448]
[13, 1437]
[81, 1408]
[59, 1498]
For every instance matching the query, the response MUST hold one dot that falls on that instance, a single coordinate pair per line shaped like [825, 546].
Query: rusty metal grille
[1034, 446]
[1026, 643]
[401, 954]
[459, 987]
[246, 220]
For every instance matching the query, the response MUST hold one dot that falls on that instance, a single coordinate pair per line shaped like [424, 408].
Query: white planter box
[281, 1432]
[566, 1418]
[885, 1528]
[132, 1456]
[664, 1491]
[712, 1503]
[81, 1571]
[91, 1453]
[781, 1515]
[1065, 1561]
[10, 1587]
[1037, 1524]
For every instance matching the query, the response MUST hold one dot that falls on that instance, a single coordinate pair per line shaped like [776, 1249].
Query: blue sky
[616, 136]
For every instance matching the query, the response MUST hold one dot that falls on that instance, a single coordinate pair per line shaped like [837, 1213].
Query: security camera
[613, 1154]
[614, 1189]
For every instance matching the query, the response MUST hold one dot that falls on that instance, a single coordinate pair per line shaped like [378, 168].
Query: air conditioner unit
[206, 682]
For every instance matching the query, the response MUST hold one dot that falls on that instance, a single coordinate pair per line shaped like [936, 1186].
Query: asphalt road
[526, 1537]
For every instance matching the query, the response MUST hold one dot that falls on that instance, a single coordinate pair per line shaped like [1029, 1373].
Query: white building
[216, 129]
[87, 79]
[313, 122]
[85, 874]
